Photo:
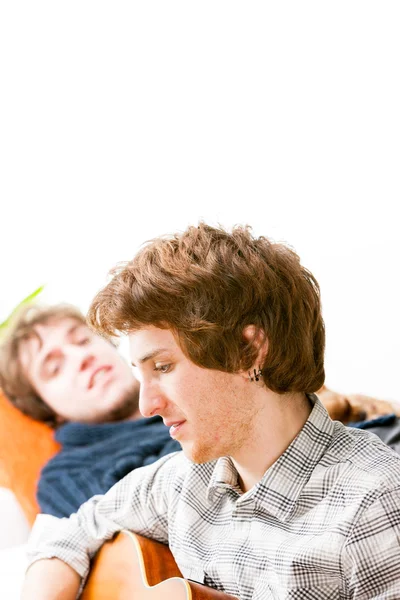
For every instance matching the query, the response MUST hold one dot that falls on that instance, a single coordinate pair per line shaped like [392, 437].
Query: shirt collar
[281, 485]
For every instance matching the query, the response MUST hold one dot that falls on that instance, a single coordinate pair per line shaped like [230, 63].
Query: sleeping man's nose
[86, 362]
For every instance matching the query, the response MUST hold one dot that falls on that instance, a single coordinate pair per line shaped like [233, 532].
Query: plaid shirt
[323, 523]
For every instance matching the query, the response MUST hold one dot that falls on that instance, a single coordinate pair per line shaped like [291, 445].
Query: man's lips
[98, 375]
[175, 427]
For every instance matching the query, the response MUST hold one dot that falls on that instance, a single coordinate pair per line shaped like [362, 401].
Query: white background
[120, 121]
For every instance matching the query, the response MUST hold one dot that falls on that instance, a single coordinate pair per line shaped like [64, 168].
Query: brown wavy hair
[13, 378]
[207, 284]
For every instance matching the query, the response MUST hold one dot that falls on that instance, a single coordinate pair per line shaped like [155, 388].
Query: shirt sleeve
[139, 502]
[372, 552]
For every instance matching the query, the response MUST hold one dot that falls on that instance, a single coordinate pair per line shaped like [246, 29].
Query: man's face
[206, 409]
[78, 374]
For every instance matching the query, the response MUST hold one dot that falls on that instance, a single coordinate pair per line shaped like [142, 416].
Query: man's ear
[256, 336]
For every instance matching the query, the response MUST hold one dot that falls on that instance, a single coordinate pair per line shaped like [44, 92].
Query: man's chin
[198, 455]
[122, 409]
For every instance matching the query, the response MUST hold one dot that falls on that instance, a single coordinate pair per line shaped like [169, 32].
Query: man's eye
[53, 369]
[162, 368]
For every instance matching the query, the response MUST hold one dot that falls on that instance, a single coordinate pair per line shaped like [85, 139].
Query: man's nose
[86, 362]
[151, 401]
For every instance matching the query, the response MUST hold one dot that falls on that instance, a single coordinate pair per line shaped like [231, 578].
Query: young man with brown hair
[55, 369]
[49, 362]
[270, 498]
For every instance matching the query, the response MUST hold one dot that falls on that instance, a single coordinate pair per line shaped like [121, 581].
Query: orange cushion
[25, 446]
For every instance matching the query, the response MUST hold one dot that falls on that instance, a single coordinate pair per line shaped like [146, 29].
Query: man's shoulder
[364, 458]
[171, 476]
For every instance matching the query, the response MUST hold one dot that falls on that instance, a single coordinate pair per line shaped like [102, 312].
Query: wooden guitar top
[131, 567]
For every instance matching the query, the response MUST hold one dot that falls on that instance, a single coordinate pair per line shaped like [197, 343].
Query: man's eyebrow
[68, 334]
[74, 328]
[150, 355]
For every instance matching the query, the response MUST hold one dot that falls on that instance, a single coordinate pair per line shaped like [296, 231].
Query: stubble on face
[226, 428]
[127, 407]
[213, 407]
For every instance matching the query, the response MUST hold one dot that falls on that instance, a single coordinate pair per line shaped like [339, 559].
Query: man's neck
[274, 429]
[135, 416]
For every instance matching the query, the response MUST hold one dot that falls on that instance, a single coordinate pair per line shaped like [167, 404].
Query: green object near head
[5, 324]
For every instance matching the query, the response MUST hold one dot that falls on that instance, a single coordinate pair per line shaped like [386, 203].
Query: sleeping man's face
[81, 376]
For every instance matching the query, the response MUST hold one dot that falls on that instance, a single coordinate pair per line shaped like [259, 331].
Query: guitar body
[131, 567]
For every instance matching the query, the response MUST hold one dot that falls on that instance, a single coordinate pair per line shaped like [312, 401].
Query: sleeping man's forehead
[54, 332]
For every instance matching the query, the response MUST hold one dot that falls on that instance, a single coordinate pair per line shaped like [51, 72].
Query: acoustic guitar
[131, 567]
